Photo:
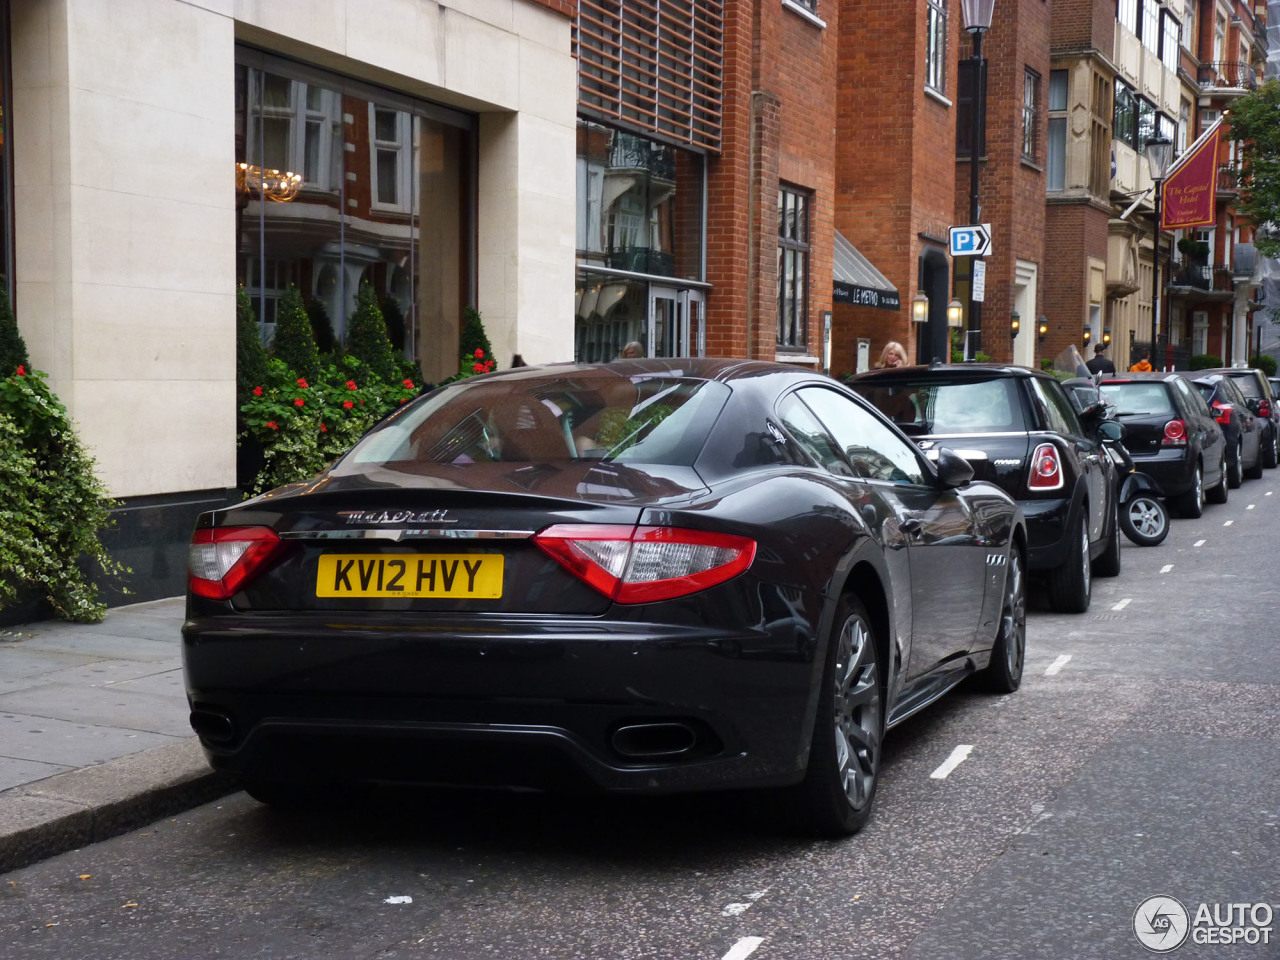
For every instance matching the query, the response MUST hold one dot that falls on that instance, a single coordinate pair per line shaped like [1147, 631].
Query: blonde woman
[894, 354]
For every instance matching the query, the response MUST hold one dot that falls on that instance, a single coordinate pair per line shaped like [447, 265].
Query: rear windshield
[1139, 397]
[929, 407]
[1248, 385]
[1207, 390]
[590, 416]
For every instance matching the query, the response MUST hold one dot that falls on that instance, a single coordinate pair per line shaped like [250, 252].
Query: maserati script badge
[396, 516]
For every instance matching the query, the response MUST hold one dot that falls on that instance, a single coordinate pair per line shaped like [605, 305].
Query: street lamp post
[1159, 152]
[977, 20]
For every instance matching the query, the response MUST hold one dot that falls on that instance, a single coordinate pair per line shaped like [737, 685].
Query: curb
[81, 807]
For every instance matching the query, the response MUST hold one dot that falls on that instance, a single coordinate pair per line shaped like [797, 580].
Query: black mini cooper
[1018, 429]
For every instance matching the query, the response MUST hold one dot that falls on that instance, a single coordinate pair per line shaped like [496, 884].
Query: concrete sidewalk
[94, 738]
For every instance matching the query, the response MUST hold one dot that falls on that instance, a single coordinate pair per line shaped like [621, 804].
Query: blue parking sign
[973, 240]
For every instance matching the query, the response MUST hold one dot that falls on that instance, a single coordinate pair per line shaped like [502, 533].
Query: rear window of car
[927, 406]
[1248, 384]
[549, 419]
[1207, 390]
[1139, 397]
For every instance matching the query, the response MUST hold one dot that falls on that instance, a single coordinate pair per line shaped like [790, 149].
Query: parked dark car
[648, 576]
[1242, 429]
[1172, 436]
[1261, 398]
[1018, 429]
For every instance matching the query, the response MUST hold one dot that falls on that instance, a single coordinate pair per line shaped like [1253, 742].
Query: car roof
[952, 371]
[1153, 375]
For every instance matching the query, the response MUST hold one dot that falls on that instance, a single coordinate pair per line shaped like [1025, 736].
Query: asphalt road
[1138, 759]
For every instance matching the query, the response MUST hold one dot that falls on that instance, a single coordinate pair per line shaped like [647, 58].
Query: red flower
[299, 402]
[257, 391]
[479, 353]
[351, 385]
[22, 370]
[323, 428]
[478, 368]
[271, 424]
[347, 404]
[302, 383]
[408, 383]
[404, 400]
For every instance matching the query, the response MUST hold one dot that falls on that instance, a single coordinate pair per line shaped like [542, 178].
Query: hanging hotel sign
[1190, 187]
[858, 296]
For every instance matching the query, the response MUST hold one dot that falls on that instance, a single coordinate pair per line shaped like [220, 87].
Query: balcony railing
[1196, 275]
[1229, 178]
[1228, 74]
[631, 152]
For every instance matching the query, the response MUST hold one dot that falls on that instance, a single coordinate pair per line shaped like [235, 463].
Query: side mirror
[953, 469]
[1111, 430]
[1094, 412]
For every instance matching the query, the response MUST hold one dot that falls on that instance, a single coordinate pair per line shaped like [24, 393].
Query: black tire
[1144, 520]
[1271, 449]
[835, 797]
[1070, 585]
[1218, 493]
[1008, 655]
[1235, 467]
[1191, 503]
[1108, 562]
[1255, 472]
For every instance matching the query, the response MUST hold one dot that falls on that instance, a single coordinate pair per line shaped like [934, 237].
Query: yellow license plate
[408, 575]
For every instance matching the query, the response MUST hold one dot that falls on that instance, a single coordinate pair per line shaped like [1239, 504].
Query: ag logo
[1161, 924]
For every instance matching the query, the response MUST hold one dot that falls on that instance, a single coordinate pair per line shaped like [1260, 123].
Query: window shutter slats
[656, 64]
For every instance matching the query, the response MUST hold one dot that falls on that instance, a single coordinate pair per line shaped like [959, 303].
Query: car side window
[1192, 402]
[1057, 408]
[874, 449]
[811, 436]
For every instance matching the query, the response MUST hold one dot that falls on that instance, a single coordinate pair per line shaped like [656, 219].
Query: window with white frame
[935, 44]
[390, 156]
[1150, 26]
[1056, 153]
[1127, 14]
[1030, 114]
[1169, 32]
[793, 268]
[1190, 13]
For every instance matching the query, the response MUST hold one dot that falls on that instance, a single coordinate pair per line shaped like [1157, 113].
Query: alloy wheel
[857, 712]
[1013, 616]
[1145, 515]
[1087, 572]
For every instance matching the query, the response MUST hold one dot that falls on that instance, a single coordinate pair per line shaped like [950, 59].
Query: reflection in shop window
[387, 198]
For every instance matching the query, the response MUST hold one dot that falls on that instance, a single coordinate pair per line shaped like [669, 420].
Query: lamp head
[1015, 323]
[1159, 152]
[977, 14]
[920, 307]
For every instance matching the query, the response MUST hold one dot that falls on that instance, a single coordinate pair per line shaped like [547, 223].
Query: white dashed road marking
[1166, 568]
[1249, 507]
[744, 948]
[737, 909]
[953, 761]
[1053, 668]
[1228, 523]
[1123, 603]
[1199, 543]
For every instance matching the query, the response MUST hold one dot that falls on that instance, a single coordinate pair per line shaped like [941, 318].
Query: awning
[858, 282]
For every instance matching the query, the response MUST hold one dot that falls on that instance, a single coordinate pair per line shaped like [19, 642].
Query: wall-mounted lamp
[1015, 323]
[1088, 335]
[955, 313]
[1106, 334]
[1043, 328]
[920, 307]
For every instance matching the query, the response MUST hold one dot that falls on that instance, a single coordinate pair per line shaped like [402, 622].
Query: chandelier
[279, 185]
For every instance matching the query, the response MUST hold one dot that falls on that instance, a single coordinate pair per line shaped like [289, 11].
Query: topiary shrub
[13, 349]
[1264, 362]
[367, 336]
[472, 338]
[293, 343]
[1205, 361]
[251, 355]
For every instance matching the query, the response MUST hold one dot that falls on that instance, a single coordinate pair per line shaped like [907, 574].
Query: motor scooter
[1143, 516]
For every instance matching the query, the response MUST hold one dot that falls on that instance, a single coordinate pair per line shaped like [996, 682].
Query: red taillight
[1221, 413]
[221, 561]
[644, 564]
[1264, 409]
[1175, 434]
[1046, 468]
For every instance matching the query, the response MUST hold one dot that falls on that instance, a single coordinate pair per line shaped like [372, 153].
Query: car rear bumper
[1048, 546]
[1170, 468]
[533, 703]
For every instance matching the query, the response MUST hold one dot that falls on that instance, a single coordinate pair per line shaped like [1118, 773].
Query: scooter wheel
[1144, 520]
